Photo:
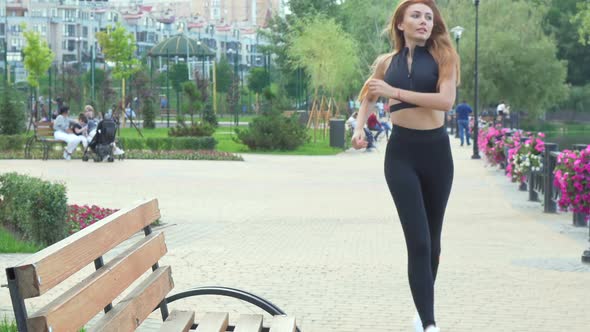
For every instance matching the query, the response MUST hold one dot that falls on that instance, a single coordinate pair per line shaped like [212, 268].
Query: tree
[327, 53]
[366, 27]
[257, 82]
[517, 61]
[178, 75]
[38, 59]
[559, 22]
[192, 103]
[233, 95]
[118, 46]
[303, 8]
[223, 75]
[72, 92]
[582, 18]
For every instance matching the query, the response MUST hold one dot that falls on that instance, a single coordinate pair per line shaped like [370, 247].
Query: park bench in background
[43, 135]
[75, 307]
[164, 114]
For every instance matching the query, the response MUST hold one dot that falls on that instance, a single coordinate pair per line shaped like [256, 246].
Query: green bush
[12, 142]
[210, 117]
[196, 130]
[34, 207]
[273, 131]
[169, 143]
[12, 118]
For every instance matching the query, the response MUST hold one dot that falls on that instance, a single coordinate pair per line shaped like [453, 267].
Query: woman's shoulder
[382, 62]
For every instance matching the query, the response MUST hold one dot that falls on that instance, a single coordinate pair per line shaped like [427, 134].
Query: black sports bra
[423, 76]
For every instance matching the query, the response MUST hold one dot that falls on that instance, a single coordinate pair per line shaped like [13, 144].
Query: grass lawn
[225, 135]
[7, 326]
[132, 132]
[9, 244]
[322, 147]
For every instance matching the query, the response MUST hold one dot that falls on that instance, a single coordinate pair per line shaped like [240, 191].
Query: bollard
[586, 254]
[579, 219]
[548, 166]
[533, 196]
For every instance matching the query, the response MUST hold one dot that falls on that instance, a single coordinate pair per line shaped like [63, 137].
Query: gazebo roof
[181, 45]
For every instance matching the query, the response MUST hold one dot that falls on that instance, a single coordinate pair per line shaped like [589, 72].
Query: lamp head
[457, 31]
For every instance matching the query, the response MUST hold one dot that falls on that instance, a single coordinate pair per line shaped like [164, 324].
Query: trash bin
[337, 133]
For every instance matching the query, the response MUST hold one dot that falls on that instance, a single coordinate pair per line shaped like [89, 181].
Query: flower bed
[143, 154]
[572, 178]
[82, 216]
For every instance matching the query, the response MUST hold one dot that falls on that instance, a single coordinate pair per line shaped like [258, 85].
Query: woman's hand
[358, 140]
[381, 89]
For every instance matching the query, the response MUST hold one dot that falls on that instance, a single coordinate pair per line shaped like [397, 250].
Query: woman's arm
[442, 100]
[368, 103]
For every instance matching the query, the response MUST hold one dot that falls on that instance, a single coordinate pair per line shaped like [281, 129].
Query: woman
[419, 77]
[62, 132]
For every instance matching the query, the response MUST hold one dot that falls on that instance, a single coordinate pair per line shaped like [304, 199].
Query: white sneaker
[118, 151]
[432, 329]
[67, 156]
[418, 323]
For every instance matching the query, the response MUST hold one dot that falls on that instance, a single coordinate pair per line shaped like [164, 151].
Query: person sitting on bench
[62, 132]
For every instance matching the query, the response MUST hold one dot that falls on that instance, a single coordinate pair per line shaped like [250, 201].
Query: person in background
[463, 110]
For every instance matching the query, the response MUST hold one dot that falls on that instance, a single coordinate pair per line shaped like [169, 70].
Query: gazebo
[183, 47]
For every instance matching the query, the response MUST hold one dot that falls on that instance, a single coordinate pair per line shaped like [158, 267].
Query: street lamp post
[476, 85]
[201, 50]
[457, 32]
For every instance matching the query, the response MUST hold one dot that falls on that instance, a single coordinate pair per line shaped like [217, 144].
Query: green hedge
[36, 208]
[169, 143]
[12, 142]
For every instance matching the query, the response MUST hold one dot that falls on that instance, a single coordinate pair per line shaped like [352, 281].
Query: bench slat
[249, 323]
[214, 322]
[77, 306]
[282, 324]
[178, 321]
[44, 132]
[128, 314]
[42, 271]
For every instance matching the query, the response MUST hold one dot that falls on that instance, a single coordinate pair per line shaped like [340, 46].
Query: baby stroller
[102, 144]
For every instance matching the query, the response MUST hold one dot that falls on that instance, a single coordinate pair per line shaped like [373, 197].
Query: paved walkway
[319, 237]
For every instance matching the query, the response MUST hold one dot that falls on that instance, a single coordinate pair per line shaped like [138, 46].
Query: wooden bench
[44, 135]
[75, 307]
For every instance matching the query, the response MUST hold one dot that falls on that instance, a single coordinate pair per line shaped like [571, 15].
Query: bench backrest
[71, 310]
[44, 129]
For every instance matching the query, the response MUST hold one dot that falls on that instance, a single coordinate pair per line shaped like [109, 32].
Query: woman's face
[417, 23]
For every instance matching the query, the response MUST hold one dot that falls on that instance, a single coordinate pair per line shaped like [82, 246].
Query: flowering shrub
[572, 178]
[491, 143]
[525, 157]
[80, 217]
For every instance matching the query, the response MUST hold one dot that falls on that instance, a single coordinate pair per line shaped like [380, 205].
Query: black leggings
[419, 174]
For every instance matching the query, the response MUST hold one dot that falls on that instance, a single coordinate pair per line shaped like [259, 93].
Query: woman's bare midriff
[418, 118]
